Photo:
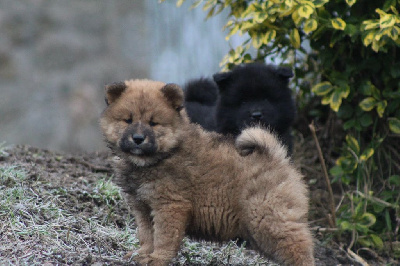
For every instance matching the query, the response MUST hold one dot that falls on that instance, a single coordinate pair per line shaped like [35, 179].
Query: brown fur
[188, 181]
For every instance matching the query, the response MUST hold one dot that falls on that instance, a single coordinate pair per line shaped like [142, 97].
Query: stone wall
[56, 56]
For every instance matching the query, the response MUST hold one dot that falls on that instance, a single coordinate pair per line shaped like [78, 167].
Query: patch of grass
[3, 152]
[11, 175]
[106, 192]
[85, 223]
[206, 253]
[38, 226]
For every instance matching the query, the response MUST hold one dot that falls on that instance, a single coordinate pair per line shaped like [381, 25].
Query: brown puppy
[179, 179]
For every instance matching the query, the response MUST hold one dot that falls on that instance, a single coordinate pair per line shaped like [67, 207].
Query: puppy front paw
[129, 255]
[152, 260]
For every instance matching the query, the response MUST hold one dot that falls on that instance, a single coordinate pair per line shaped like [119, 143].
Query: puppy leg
[289, 241]
[169, 229]
[145, 232]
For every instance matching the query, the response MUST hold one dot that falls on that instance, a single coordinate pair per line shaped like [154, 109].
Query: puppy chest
[159, 194]
[146, 192]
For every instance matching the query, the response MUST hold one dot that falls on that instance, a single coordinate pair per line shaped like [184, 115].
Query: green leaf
[381, 33]
[394, 33]
[345, 111]
[367, 153]
[196, 4]
[393, 106]
[344, 91]
[375, 92]
[361, 228]
[368, 219]
[353, 144]
[347, 164]
[247, 58]
[269, 36]
[380, 107]
[349, 124]
[326, 100]
[369, 38]
[388, 220]
[351, 2]
[370, 24]
[305, 10]
[335, 101]
[388, 3]
[351, 30]
[337, 96]
[232, 32]
[257, 40]
[179, 2]
[296, 18]
[387, 20]
[394, 125]
[365, 242]
[346, 226]
[259, 17]
[378, 207]
[322, 88]
[366, 120]
[336, 171]
[368, 104]
[358, 210]
[392, 7]
[366, 89]
[295, 38]
[310, 25]
[375, 46]
[288, 3]
[247, 24]
[394, 180]
[338, 23]
[380, 12]
[320, 3]
[395, 73]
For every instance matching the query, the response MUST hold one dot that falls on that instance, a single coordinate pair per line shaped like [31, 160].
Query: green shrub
[348, 50]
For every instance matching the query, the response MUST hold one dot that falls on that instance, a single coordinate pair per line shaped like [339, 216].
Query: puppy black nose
[256, 115]
[138, 139]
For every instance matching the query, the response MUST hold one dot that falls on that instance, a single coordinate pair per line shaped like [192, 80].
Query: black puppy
[250, 94]
[200, 102]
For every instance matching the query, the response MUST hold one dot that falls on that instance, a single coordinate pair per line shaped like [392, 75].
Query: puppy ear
[174, 94]
[114, 91]
[284, 72]
[222, 79]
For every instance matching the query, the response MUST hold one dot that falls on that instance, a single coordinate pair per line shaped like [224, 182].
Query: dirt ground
[83, 235]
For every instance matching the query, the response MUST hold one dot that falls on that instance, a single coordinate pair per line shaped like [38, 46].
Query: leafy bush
[349, 51]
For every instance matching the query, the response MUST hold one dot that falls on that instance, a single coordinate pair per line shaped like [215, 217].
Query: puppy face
[257, 112]
[254, 94]
[142, 120]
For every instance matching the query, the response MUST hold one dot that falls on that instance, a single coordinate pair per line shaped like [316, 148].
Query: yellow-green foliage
[349, 51]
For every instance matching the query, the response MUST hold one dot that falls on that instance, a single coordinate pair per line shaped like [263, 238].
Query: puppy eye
[128, 121]
[152, 123]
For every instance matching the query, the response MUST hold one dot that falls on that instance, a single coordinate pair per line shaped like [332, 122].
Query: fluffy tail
[203, 91]
[257, 139]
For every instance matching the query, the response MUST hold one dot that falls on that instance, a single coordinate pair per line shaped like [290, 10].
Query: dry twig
[328, 184]
[357, 258]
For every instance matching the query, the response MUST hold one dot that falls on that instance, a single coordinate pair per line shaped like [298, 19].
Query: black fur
[250, 94]
[200, 100]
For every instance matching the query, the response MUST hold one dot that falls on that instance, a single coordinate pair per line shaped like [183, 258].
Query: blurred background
[56, 56]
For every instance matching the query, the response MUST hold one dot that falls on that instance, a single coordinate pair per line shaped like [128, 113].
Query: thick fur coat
[250, 94]
[181, 180]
